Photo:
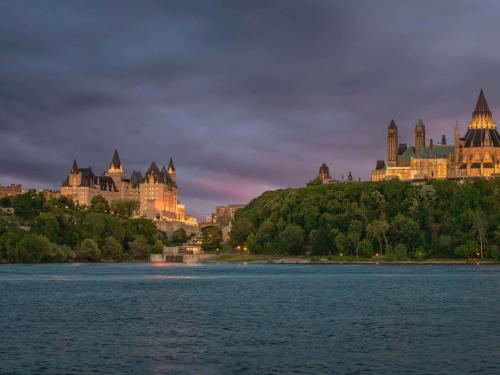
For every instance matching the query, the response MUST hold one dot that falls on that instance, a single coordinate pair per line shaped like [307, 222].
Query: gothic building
[476, 154]
[156, 191]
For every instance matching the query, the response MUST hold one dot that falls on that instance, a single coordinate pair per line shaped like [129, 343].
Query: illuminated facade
[476, 154]
[156, 192]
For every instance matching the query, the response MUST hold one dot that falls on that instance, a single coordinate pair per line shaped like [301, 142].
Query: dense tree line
[57, 230]
[393, 219]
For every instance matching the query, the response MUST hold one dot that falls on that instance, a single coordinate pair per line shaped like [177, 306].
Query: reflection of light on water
[175, 264]
[58, 277]
[170, 277]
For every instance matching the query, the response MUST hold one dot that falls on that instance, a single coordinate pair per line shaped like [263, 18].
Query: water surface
[249, 319]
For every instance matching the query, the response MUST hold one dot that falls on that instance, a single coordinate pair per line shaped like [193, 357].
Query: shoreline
[305, 260]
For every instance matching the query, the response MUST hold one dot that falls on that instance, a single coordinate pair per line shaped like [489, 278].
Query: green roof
[437, 151]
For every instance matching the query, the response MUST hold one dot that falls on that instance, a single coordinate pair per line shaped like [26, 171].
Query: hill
[393, 219]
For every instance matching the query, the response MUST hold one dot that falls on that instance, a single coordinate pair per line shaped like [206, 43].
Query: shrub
[112, 249]
[88, 250]
[420, 253]
[400, 252]
[466, 250]
[366, 248]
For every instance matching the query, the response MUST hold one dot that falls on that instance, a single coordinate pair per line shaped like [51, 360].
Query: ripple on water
[228, 319]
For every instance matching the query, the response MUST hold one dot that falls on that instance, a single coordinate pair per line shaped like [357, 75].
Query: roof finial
[74, 168]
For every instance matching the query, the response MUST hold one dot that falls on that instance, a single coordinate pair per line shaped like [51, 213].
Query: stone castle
[476, 154]
[156, 192]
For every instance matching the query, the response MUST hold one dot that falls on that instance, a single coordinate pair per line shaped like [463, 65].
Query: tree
[34, 248]
[212, 239]
[240, 230]
[480, 227]
[400, 252]
[343, 243]
[124, 207]
[157, 248]
[179, 236]
[112, 249]
[366, 248]
[377, 229]
[354, 233]
[139, 247]
[291, 240]
[466, 250]
[99, 204]
[88, 251]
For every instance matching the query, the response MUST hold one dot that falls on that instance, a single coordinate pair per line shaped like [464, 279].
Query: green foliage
[430, 220]
[112, 249]
[366, 248]
[124, 207]
[99, 204]
[291, 240]
[139, 247]
[157, 248]
[212, 239]
[88, 251]
[420, 254]
[400, 252]
[60, 230]
[179, 236]
[466, 250]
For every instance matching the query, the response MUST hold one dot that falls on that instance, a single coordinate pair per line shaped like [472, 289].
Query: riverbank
[273, 259]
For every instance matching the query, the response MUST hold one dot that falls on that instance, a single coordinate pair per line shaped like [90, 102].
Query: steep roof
[115, 162]
[420, 124]
[171, 165]
[392, 124]
[481, 106]
[74, 168]
[153, 169]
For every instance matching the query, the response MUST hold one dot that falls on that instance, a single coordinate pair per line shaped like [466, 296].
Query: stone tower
[419, 135]
[324, 173]
[392, 144]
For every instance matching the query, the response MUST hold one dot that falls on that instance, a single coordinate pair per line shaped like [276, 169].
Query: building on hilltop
[10, 191]
[476, 154]
[156, 192]
[325, 177]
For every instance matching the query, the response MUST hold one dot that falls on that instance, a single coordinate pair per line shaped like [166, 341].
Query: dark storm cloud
[245, 95]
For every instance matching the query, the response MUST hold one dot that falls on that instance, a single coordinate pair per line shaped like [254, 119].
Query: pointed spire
[420, 124]
[171, 165]
[392, 124]
[74, 168]
[115, 162]
[481, 106]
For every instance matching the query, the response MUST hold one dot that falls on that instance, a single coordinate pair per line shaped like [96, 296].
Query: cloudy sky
[246, 96]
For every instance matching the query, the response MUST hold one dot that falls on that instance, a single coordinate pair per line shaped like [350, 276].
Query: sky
[246, 96]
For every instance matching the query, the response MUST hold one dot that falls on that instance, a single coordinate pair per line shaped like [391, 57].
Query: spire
[171, 167]
[74, 168]
[481, 106]
[420, 124]
[392, 124]
[115, 162]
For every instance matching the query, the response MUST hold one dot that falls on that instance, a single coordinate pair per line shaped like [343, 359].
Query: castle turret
[171, 169]
[419, 136]
[74, 168]
[324, 173]
[392, 144]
